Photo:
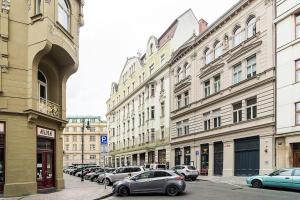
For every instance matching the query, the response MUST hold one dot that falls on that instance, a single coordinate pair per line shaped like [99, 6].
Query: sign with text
[103, 139]
[45, 132]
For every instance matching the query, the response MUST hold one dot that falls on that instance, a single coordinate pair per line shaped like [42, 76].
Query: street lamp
[82, 144]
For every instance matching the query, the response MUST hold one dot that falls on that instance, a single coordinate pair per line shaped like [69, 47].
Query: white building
[287, 24]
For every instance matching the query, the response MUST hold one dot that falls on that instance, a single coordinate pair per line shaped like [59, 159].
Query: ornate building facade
[138, 107]
[95, 150]
[223, 92]
[287, 33]
[39, 52]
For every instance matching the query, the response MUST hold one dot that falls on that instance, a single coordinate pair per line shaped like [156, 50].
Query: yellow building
[94, 141]
[39, 52]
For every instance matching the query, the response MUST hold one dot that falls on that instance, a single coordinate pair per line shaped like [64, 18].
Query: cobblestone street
[74, 190]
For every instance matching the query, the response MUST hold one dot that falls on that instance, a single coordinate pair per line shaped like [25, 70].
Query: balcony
[49, 108]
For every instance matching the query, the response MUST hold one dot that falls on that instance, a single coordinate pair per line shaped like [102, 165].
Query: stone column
[155, 156]
[197, 159]
[172, 158]
[115, 162]
[193, 155]
[228, 158]
[211, 159]
[182, 156]
[125, 160]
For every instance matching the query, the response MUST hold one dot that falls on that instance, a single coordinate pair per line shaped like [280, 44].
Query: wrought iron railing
[49, 108]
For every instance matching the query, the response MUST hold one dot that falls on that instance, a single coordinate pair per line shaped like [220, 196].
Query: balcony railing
[49, 108]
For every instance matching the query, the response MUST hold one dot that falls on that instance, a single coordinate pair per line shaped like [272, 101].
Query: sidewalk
[74, 190]
[232, 180]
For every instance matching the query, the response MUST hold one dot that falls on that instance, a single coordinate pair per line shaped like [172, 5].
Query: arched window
[179, 74]
[42, 81]
[237, 36]
[151, 48]
[251, 26]
[217, 49]
[64, 14]
[186, 70]
[207, 56]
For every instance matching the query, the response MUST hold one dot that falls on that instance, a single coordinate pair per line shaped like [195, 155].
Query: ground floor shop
[159, 155]
[241, 154]
[30, 155]
[288, 150]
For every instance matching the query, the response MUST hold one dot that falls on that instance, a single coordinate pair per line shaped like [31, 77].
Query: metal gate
[246, 160]
[218, 158]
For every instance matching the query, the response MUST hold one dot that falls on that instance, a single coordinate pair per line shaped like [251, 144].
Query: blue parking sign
[103, 139]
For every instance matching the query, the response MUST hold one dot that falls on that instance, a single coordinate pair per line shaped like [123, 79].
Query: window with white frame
[152, 112]
[297, 25]
[207, 56]
[207, 88]
[186, 127]
[179, 75]
[251, 26]
[217, 83]
[251, 66]
[66, 138]
[179, 101]
[92, 147]
[237, 74]
[297, 70]
[217, 118]
[162, 84]
[152, 90]
[162, 132]
[297, 108]
[93, 137]
[74, 138]
[162, 109]
[151, 69]
[186, 98]
[64, 14]
[179, 128]
[206, 121]
[67, 147]
[217, 49]
[237, 36]
[152, 134]
[251, 108]
[237, 112]
[186, 70]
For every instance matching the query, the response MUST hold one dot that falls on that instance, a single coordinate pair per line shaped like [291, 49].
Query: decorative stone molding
[5, 5]
[31, 119]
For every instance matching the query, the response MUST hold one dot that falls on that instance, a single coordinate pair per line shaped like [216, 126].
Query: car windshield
[191, 167]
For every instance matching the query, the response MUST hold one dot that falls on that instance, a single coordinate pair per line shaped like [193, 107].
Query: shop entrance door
[45, 164]
[296, 155]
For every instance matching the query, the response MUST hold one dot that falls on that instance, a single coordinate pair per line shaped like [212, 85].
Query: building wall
[261, 86]
[32, 42]
[288, 89]
[72, 136]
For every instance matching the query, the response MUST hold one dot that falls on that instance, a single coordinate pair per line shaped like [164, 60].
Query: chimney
[202, 25]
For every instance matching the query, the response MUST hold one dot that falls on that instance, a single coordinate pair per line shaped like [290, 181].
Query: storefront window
[2, 159]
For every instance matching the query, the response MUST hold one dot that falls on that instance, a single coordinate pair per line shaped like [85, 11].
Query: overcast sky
[115, 30]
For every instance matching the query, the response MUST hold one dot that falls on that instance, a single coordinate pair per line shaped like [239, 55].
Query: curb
[105, 196]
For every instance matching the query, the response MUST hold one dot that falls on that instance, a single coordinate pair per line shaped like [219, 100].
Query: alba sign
[45, 132]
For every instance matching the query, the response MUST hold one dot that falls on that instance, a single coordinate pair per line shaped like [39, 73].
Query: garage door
[246, 160]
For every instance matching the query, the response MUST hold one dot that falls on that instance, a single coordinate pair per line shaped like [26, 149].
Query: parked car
[153, 181]
[94, 175]
[187, 171]
[158, 166]
[283, 178]
[68, 169]
[119, 174]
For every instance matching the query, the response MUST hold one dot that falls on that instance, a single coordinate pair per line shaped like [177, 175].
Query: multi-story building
[222, 94]
[94, 150]
[39, 52]
[138, 107]
[287, 24]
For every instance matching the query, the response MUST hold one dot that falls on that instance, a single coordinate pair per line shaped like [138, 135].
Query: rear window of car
[161, 174]
[161, 166]
[147, 166]
[136, 169]
[191, 167]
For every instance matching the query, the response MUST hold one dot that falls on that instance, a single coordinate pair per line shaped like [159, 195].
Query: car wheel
[193, 179]
[256, 183]
[106, 181]
[123, 191]
[172, 190]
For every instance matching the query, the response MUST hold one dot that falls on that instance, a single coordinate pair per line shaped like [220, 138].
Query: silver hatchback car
[154, 181]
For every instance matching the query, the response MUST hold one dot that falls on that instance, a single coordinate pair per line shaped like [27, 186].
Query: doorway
[218, 158]
[2, 158]
[45, 163]
[296, 155]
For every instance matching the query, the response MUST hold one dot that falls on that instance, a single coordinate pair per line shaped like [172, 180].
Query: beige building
[138, 107]
[222, 108]
[39, 52]
[287, 33]
[94, 150]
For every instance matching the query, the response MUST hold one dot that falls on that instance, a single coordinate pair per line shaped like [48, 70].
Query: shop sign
[45, 132]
